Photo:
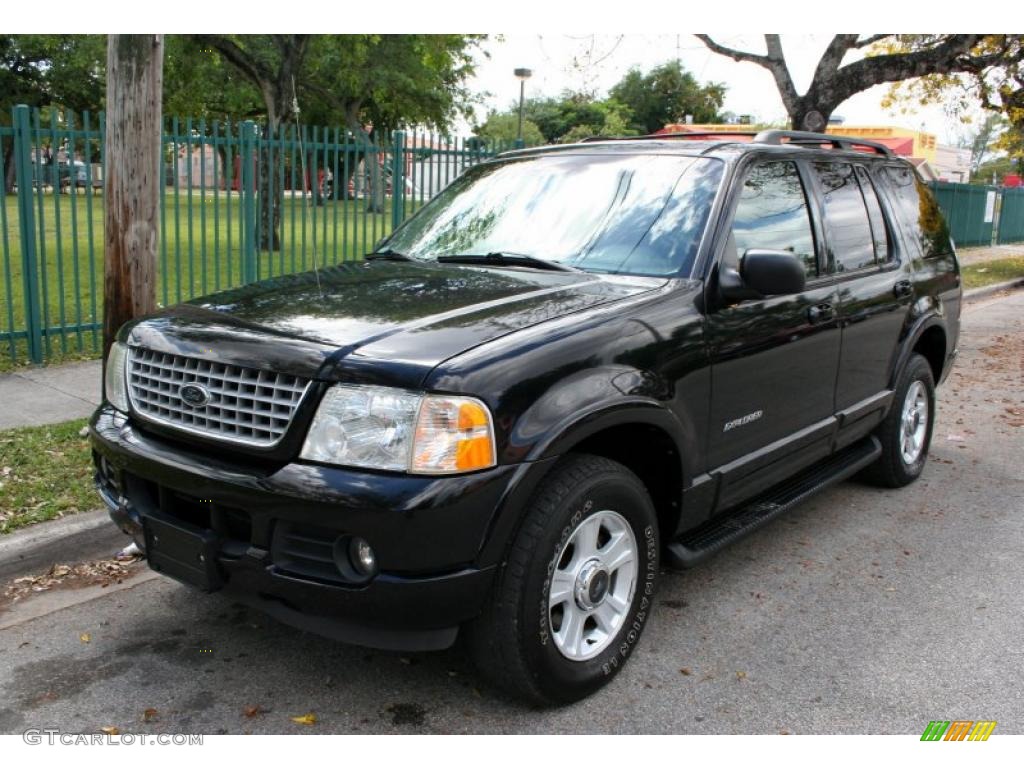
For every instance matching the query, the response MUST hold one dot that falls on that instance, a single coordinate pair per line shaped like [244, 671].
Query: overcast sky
[596, 62]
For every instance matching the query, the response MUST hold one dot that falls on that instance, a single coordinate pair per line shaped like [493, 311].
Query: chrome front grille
[243, 405]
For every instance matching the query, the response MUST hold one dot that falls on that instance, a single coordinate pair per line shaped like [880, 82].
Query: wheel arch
[640, 434]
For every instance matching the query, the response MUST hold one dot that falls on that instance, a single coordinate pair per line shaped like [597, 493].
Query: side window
[920, 214]
[878, 229]
[847, 227]
[772, 214]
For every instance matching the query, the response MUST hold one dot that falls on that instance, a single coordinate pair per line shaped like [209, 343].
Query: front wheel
[571, 601]
[906, 431]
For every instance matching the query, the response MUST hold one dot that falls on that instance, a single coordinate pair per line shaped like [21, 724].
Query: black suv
[574, 366]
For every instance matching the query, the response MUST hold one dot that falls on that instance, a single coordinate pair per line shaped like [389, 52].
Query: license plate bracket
[182, 551]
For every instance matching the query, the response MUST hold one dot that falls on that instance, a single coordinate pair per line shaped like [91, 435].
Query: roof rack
[805, 137]
[676, 135]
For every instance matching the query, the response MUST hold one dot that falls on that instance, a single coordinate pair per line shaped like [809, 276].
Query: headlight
[114, 386]
[382, 428]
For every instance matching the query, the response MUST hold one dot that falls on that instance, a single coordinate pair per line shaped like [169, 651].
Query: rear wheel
[575, 593]
[906, 431]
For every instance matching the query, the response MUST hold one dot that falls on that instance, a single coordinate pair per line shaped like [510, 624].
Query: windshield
[623, 214]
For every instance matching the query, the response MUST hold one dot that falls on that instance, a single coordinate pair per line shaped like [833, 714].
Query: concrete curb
[980, 293]
[85, 536]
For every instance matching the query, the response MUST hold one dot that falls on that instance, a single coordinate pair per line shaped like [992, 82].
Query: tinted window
[846, 219]
[920, 214]
[878, 229]
[772, 214]
[632, 214]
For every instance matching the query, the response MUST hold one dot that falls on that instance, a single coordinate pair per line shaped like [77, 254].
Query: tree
[665, 95]
[833, 82]
[134, 88]
[991, 73]
[374, 83]
[503, 128]
[272, 64]
[59, 71]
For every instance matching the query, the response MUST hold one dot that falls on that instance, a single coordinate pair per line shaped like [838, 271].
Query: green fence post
[397, 178]
[26, 221]
[248, 151]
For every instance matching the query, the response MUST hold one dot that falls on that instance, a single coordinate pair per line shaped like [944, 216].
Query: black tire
[512, 642]
[891, 470]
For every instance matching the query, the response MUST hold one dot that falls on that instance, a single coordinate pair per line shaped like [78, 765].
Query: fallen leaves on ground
[307, 719]
[253, 711]
[149, 714]
[686, 671]
[111, 730]
[94, 572]
[85, 637]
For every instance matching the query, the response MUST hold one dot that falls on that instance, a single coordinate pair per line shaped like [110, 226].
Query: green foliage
[503, 128]
[639, 103]
[665, 95]
[52, 70]
[199, 83]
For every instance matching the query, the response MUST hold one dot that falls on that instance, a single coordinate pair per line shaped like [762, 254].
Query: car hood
[350, 319]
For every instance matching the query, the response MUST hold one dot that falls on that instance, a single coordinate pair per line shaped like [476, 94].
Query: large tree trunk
[811, 112]
[132, 178]
[271, 194]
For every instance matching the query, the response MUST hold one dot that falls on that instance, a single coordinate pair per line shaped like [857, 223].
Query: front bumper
[274, 527]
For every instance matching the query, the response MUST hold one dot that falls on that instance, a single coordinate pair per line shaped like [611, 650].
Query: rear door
[875, 291]
[773, 361]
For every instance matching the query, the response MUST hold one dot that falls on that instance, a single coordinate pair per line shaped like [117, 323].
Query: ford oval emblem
[194, 395]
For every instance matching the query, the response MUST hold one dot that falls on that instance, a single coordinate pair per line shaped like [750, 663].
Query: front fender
[579, 407]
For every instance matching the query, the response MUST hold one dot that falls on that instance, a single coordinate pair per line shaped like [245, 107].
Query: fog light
[362, 556]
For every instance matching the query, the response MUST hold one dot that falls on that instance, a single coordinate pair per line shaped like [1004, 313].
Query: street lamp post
[523, 75]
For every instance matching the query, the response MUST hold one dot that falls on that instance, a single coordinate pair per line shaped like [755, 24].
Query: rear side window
[920, 215]
[878, 228]
[847, 226]
[772, 214]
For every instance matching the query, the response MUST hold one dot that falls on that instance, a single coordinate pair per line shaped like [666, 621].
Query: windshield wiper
[506, 258]
[388, 255]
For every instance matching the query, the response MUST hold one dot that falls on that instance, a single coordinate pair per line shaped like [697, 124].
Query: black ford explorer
[573, 367]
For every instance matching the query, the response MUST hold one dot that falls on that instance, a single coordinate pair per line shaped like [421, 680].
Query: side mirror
[763, 273]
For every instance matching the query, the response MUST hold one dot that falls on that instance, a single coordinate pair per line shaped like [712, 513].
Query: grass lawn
[70, 255]
[45, 473]
[989, 272]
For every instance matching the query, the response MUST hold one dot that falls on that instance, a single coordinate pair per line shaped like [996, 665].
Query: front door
[773, 361]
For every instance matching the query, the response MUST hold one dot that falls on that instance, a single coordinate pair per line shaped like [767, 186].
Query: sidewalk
[982, 254]
[50, 394]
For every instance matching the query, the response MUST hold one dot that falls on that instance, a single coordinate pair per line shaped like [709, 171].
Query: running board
[703, 541]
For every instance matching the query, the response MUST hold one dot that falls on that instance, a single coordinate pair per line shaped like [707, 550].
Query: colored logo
[958, 730]
[194, 395]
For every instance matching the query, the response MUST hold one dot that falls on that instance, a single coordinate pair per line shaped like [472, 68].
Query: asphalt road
[863, 611]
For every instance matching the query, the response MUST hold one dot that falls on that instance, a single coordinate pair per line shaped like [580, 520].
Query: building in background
[934, 161]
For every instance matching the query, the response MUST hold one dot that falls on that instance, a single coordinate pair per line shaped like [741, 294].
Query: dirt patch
[100, 573]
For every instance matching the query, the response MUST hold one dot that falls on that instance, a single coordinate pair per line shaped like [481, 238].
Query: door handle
[820, 313]
[903, 288]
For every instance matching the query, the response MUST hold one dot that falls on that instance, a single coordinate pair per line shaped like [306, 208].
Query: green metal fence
[335, 193]
[969, 211]
[1011, 217]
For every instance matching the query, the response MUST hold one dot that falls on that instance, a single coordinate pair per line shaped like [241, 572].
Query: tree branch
[240, 58]
[774, 62]
[871, 40]
[875, 70]
[732, 53]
